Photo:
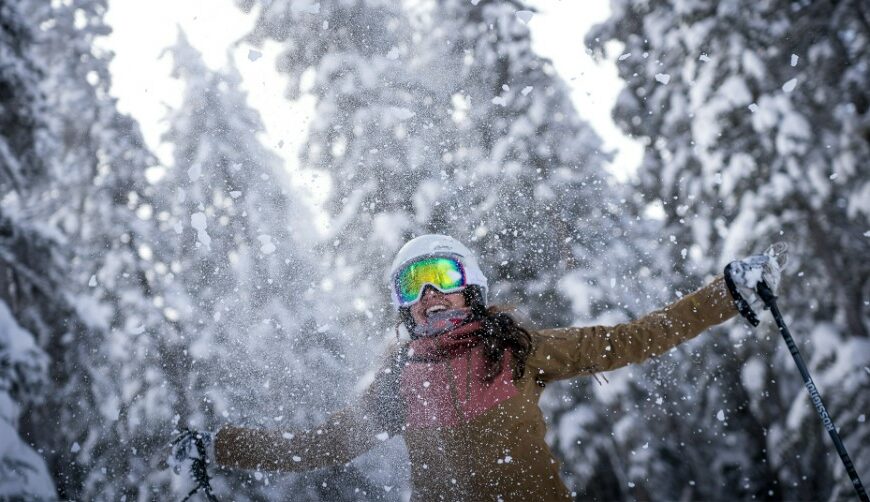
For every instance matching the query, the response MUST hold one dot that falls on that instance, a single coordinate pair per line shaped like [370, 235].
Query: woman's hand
[192, 452]
[747, 273]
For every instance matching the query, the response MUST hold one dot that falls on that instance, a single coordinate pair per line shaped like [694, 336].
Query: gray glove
[185, 449]
[743, 276]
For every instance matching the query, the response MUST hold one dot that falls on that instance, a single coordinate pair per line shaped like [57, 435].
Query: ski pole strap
[199, 470]
[739, 302]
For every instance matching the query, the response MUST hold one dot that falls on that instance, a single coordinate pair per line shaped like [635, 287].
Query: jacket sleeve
[345, 435]
[567, 352]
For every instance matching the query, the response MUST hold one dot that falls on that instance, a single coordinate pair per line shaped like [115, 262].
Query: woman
[464, 391]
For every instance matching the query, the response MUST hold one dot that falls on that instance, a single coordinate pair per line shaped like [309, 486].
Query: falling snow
[234, 274]
[663, 78]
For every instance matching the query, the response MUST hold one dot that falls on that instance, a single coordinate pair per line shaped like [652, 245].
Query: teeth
[435, 308]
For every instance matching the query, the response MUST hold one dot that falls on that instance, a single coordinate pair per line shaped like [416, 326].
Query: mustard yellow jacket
[499, 454]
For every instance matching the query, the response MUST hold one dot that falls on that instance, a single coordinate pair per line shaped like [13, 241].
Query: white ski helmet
[436, 245]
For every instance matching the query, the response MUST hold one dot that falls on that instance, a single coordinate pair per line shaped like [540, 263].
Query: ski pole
[769, 299]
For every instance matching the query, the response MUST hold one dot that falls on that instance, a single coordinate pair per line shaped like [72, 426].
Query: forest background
[199, 282]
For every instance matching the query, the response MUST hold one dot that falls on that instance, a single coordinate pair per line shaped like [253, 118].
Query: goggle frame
[396, 280]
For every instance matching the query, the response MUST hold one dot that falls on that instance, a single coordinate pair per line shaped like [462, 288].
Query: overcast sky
[144, 88]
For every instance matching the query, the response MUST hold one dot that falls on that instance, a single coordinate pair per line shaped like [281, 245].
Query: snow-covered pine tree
[377, 131]
[756, 120]
[23, 381]
[120, 258]
[110, 441]
[380, 131]
[22, 113]
[31, 275]
[107, 418]
[245, 277]
[36, 305]
[533, 194]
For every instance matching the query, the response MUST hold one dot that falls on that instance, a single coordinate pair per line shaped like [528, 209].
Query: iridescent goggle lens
[445, 274]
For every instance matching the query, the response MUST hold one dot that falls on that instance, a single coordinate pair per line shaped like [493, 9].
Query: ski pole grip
[765, 293]
[739, 302]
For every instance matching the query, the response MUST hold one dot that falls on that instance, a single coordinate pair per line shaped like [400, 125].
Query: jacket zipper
[467, 378]
[453, 393]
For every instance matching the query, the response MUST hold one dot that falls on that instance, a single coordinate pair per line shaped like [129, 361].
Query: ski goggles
[444, 273]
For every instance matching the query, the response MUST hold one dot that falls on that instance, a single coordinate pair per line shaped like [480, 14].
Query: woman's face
[433, 301]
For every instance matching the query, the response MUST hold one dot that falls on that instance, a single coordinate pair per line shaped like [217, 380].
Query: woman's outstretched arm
[345, 435]
[566, 352]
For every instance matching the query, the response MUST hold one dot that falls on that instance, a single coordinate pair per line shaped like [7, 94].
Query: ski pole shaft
[204, 478]
[769, 299]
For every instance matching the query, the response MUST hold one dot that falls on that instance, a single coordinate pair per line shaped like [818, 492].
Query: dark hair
[500, 332]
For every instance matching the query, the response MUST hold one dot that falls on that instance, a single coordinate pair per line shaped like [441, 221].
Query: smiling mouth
[435, 308]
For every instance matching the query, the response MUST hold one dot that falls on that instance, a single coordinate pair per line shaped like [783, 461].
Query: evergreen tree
[31, 274]
[533, 194]
[107, 418]
[121, 257]
[23, 382]
[378, 132]
[245, 278]
[22, 107]
[755, 117]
